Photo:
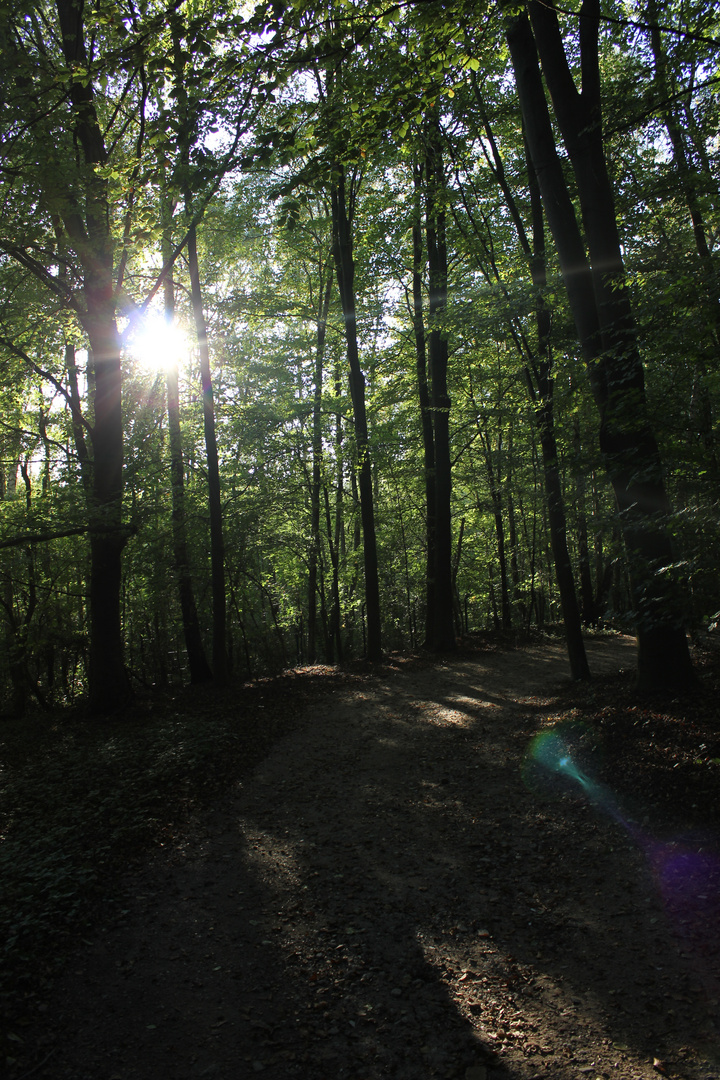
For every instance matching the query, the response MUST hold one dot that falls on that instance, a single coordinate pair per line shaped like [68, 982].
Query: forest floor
[402, 888]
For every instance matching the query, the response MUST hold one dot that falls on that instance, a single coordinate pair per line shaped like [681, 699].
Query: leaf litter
[384, 895]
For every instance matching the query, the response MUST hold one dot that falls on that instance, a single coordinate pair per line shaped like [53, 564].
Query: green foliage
[238, 118]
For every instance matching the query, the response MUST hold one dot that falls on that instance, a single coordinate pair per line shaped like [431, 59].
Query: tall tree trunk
[543, 401]
[345, 270]
[335, 528]
[425, 412]
[539, 380]
[15, 632]
[334, 641]
[589, 613]
[217, 546]
[443, 631]
[90, 235]
[494, 484]
[187, 125]
[457, 607]
[604, 322]
[197, 661]
[109, 685]
[517, 593]
[558, 537]
[317, 452]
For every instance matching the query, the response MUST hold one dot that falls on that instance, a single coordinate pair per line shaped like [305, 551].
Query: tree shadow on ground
[547, 904]
[236, 957]
[386, 898]
[567, 895]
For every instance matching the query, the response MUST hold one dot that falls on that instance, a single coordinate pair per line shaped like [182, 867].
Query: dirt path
[385, 897]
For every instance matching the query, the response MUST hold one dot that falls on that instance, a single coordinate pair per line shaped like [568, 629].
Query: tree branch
[22, 355]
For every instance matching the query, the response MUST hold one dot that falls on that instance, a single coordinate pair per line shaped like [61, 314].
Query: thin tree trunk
[538, 376]
[187, 122]
[545, 418]
[76, 419]
[336, 527]
[16, 625]
[217, 547]
[317, 453]
[425, 411]
[494, 484]
[518, 594]
[512, 525]
[406, 567]
[455, 570]
[345, 269]
[197, 661]
[334, 641]
[443, 631]
[589, 613]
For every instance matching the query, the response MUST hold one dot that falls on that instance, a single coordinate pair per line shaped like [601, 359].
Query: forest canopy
[328, 330]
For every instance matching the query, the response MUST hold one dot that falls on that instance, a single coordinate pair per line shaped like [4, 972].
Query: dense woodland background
[328, 330]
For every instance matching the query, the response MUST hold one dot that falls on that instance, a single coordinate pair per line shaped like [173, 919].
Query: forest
[359, 381]
[339, 329]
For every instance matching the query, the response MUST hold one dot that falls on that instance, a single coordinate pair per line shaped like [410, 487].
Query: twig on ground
[36, 1067]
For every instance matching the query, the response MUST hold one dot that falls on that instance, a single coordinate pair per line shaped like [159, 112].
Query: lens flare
[559, 761]
[687, 875]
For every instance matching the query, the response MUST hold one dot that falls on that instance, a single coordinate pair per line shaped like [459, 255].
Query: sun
[158, 344]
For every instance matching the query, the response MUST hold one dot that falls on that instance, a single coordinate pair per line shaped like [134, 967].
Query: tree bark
[345, 270]
[494, 484]
[605, 324]
[217, 546]
[107, 539]
[589, 611]
[81, 448]
[187, 122]
[89, 233]
[545, 418]
[197, 661]
[539, 380]
[425, 411]
[317, 454]
[443, 631]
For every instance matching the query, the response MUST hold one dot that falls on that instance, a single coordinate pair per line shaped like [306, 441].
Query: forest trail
[386, 896]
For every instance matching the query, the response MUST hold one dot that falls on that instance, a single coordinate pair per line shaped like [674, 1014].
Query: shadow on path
[384, 898]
